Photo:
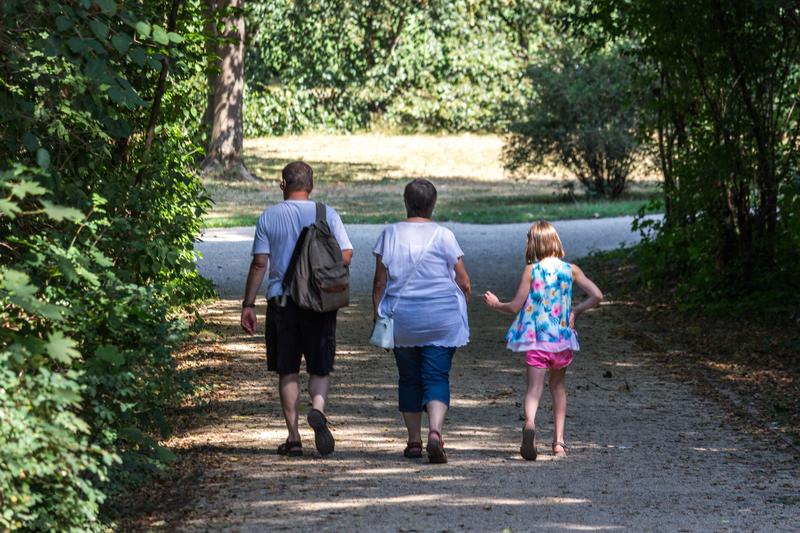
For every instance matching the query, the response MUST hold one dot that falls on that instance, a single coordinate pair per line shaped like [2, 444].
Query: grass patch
[475, 210]
[363, 177]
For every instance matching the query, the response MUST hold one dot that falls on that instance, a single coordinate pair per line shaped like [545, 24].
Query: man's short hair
[298, 176]
[420, 198]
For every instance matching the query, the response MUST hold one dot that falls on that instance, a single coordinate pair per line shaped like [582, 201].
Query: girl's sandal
[562, 453]
[528, 448]
[413, 450]
[291, 448]
[435, 448]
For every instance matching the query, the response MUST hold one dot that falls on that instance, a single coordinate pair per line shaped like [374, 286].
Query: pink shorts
[552, 360]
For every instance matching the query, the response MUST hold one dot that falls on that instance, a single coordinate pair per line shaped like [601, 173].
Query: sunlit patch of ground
[363, 176]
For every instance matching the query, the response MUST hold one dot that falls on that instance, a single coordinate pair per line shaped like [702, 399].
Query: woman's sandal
[291, 448]
[323, 438]
[435, 448]
[413, 450]
[562, 453]
[528, 448]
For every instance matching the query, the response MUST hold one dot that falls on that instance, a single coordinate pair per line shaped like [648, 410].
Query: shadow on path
[646, 453]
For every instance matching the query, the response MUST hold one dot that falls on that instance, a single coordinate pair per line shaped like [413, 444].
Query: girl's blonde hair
[543, 241]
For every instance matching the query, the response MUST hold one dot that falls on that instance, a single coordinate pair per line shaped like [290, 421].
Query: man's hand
[249, 320]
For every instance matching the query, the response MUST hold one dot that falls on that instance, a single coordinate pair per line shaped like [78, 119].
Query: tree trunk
[224, 154]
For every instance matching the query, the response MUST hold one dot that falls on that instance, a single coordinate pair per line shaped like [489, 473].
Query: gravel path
[647, 453]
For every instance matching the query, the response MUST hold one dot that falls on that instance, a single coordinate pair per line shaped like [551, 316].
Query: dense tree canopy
[725, 120]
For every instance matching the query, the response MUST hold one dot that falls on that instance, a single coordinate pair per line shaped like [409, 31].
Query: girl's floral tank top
[543, 322]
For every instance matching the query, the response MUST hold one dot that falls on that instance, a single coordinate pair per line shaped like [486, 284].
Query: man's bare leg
[318, 388]
[290, 393]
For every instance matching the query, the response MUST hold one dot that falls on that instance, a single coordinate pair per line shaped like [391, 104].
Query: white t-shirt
[432, 309]
[277, 232]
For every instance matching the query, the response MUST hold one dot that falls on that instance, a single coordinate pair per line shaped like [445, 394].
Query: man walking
[292, 332]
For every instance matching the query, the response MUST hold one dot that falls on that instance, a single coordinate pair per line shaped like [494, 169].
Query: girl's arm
[512, 307]
[378, 284]
[595, 296]
[462, 278]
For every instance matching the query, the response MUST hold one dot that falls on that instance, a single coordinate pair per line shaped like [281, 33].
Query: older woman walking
[421, 282]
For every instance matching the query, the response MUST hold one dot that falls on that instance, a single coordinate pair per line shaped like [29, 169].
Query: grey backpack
[317, 278]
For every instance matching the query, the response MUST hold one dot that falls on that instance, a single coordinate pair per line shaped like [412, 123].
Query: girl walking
[543, 328]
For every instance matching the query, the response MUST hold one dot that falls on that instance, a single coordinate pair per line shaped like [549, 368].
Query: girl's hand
[490, 299]
[572, 320]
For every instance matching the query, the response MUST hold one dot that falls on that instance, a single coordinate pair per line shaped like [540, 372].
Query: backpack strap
[322, 213]
[288, 276]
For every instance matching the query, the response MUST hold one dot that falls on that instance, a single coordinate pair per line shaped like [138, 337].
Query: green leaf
[17, 283]
[9, 208]
[99, 28]
[109, 354]
[24, 188]
[66, 395]
[43, 158]
[116, 94]
[165, 455]
[109, 7]
[174, 37]
[138, 55]
[160, 35]
[121, 42]
[61, 348]
[59, 212]
[63, 23]
[143, 29]
[97, 70]
[118, 128]
[76, 44]
[135, 435]
[31, 141]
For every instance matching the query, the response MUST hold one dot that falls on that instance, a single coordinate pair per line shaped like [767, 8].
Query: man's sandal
[562, 453]
[323, 438]
[413, 450]
[291, 448]
[528, 448]
[435, 448]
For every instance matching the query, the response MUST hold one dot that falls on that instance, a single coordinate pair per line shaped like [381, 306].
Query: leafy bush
[583, 117]
[99, 210]
[51, 469]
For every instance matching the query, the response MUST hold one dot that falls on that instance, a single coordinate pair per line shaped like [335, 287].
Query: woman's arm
[595, 296]
[378, 284]
[512, 307]
[462, 278]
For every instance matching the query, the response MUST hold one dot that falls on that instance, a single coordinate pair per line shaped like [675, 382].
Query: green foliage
[96, 231]
[453, 65]
[51, 467]
[583, 117]
[725, 117]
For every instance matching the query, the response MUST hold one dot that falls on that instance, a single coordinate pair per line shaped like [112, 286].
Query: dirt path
[647, 453]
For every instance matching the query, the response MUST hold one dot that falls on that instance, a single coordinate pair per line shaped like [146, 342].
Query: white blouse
[432, 309]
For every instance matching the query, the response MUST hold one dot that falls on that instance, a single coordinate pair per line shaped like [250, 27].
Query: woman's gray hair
[420, 198]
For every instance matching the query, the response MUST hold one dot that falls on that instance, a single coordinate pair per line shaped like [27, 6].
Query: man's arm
[347, 256]
[255, 277]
